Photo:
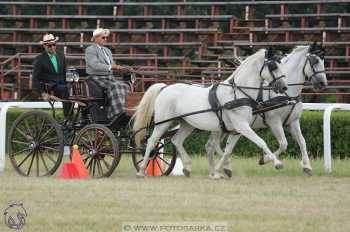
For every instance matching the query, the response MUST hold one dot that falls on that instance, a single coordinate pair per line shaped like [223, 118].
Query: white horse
[303, 63]
[165, 102]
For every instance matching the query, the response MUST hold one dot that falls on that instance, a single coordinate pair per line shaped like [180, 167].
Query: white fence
[328, 108]
[4, 106]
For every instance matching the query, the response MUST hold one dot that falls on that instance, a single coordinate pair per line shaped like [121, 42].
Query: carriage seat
[95, 90]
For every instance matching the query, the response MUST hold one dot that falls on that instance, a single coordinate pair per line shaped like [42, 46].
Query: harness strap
[215, 104]
[298, 99]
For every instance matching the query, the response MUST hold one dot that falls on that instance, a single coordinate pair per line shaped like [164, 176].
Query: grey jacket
[96, 62]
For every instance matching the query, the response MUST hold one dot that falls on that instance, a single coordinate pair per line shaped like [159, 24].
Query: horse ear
[313, 46]
[269, 54]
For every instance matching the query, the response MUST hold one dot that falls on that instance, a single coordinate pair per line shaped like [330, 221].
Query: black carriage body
[39, 149]
[97, 109]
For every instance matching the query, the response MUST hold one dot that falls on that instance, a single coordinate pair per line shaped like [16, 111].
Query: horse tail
[144, 111]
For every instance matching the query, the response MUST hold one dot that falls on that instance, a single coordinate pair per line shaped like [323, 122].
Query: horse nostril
[285, 88]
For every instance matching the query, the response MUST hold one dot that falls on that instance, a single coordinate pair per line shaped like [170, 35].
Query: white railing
[327, 146]
[327, 107]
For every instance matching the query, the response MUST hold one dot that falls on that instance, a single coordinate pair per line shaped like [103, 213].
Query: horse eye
[313, 60]
[272, 65]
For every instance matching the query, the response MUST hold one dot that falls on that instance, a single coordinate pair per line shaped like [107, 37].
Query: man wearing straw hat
[50, 68]
[100, 66]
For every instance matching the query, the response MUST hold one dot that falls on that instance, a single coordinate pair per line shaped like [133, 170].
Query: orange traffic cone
[154, 167]
[79, 164]
[69, 171]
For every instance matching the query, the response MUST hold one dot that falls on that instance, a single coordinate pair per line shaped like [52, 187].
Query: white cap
[48, 38]
[100, 31]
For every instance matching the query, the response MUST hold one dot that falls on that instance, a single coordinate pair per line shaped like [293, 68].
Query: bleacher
[172, 41]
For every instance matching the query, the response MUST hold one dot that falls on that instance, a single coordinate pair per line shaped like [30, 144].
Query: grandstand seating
[172, 40]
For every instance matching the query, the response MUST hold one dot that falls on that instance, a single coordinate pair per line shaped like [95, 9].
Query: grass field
[255, 199]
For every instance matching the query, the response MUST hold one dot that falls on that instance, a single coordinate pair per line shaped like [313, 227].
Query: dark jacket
[44, 72]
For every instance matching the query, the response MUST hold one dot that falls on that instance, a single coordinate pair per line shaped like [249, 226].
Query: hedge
[311, 124]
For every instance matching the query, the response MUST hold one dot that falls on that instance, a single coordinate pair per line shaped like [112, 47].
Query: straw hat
[48, 38]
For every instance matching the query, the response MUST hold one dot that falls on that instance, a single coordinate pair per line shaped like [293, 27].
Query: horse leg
[295, 130]
[184, 131]
[230, 144]
[277, 130]
[212, 145]
[244, 129]
[151, 142]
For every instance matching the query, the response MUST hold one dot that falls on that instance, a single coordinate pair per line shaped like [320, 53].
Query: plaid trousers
[116, 93]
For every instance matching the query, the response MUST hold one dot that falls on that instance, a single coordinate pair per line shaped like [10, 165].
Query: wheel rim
[35, 145]
[163, 156]
[98, 151]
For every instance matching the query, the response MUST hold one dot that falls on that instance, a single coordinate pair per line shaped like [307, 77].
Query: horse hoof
[261, 161]
[216, 176]
[307, 171]
[140, 175]
[186, 172]
[228, 172]
[279, 166]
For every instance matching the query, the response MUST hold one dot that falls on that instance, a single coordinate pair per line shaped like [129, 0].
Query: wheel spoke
[85, 143]
[89, 164]
[90, 139]
[85, 159]
[29, 154]
[44, 162]
[20, 142]
[41, 127]
[48, 140]
[159, 166]
[28, 128]
[48, 156]
[164, 160]
[37, 164]
[50, 148]
[18, 152]
[22, 133]
[99, 167]
[93, 167]
[100, 143]
[106, 164]
[31, 164]
[46, 133]
[104, 153]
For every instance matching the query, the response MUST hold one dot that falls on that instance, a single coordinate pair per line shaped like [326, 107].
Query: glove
[45, 96]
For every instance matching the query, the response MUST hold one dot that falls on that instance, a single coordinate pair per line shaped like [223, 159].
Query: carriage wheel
[163, 155]
[35, 144]
[98, 149]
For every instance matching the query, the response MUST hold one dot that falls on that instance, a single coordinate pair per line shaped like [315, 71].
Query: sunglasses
[51, 45]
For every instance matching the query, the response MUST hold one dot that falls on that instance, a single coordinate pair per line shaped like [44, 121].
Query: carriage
[37, 139]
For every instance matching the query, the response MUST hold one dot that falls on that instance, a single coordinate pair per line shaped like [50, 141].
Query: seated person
[50, 68]
[100, 66]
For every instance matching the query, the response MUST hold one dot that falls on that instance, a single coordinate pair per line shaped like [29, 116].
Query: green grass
[255, 199]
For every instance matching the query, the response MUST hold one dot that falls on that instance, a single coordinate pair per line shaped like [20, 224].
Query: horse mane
[245, 61]
[296, 49]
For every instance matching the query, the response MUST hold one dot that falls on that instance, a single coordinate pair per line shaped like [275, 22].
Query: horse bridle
[271, 66]
[312, 60]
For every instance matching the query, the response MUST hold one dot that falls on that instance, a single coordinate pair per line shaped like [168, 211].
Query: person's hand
[131, 69]
[45, 96]
[117, 67]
